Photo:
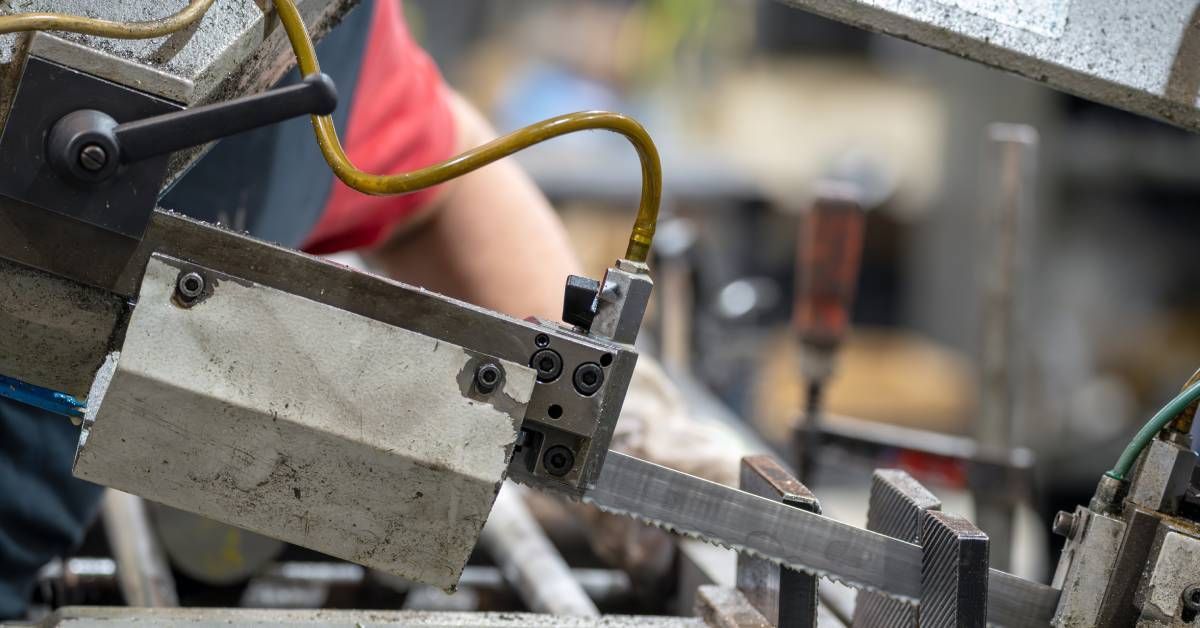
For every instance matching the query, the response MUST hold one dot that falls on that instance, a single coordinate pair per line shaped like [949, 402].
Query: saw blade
[801, 540]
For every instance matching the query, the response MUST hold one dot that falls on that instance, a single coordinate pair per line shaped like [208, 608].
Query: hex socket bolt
[487, 377]
[589, 377]
[548, 364]
[190, 286]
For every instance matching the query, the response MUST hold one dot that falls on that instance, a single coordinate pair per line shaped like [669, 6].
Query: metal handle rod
[159, 135]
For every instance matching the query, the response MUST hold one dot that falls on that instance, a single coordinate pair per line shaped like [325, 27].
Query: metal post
[142, 570]
[787, 598]
[1005, 219]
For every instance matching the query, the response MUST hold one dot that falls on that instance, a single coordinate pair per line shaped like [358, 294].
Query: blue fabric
[44, 510]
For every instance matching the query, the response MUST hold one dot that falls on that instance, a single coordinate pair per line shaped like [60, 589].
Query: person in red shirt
[467, 239]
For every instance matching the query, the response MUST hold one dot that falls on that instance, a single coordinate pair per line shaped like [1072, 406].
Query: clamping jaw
[344, 412]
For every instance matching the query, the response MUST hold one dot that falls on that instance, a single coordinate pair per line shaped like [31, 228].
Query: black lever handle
[90, 145]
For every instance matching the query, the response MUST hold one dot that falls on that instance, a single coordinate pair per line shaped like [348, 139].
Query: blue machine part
[38, 397]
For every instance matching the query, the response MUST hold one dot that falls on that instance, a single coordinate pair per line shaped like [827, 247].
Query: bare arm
[489, 238]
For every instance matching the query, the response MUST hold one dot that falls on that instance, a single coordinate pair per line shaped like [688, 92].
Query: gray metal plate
[306, 423]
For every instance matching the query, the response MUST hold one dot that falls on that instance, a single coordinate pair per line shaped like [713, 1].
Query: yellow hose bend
[643, 229]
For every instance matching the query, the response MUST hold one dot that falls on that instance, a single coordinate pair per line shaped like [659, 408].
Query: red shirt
[400, 120]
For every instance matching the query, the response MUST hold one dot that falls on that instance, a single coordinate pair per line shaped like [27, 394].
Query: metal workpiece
[896, 506]
[1169, 593]
[787, 598]
[529, 562]
[622, 301]
[1163, 473]
[1134, 56]
[1086, 567]
[350, 441]
[954, 572]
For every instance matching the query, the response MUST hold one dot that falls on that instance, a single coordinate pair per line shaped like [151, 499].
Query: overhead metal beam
[1143, 57]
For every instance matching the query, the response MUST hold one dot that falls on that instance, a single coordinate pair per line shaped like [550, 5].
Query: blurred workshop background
[1019, 268]
[1007, 225]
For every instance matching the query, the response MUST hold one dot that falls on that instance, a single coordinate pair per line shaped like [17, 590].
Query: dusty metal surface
[55, 332]
[1162, 475]
[304, 422]
[1139, 56]
[112, 617]
[584, 422]
[185, 67]
[1164, 594]
[1085, 568]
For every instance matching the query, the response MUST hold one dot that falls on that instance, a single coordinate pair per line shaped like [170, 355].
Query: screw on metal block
[1191, 598]
[1064, 524]
[93, 158]
[588, 378]
[542, 340]
[548, 365]
[189, 287]
[558, 460]
[487, 376]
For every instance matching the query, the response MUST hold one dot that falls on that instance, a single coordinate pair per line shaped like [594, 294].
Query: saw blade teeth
[667, 527]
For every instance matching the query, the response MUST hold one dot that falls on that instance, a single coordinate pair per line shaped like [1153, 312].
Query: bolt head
[93, 157]
[1064, 523]
[487, 377]
[1191, 598]
[558, 460]
[588, 379]
[190, 286]
[548, 364]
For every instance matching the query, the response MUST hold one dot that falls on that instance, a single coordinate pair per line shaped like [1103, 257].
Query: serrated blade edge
[812, 543]
[754, 525]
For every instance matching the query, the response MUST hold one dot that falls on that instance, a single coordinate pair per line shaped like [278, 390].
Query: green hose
[1150, 429]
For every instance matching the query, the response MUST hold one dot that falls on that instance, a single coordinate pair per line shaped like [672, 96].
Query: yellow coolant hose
[643, 229]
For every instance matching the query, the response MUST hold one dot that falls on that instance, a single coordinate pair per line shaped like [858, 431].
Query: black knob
[579, 301]
[89, 145]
